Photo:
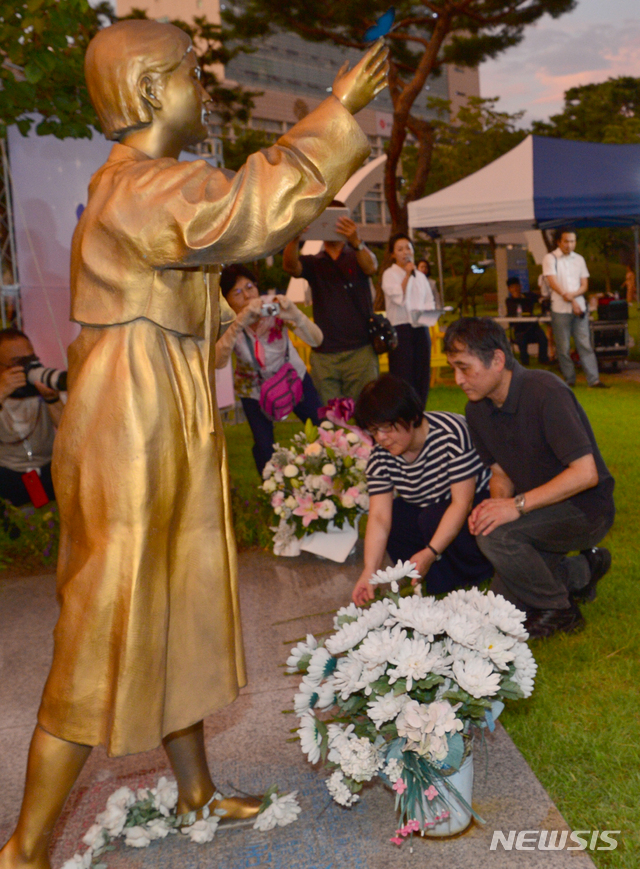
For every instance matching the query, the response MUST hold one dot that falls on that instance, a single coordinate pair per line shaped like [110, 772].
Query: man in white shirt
[566, 274]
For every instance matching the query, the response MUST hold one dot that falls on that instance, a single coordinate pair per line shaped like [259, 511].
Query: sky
[600, 39]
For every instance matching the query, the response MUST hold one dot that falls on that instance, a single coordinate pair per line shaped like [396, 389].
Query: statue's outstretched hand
[356, 87]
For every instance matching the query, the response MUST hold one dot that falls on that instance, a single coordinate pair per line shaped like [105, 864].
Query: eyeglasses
[238, 291]
[383, 428]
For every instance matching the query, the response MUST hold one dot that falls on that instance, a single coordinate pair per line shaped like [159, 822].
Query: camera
[269, 309]
[35, 372]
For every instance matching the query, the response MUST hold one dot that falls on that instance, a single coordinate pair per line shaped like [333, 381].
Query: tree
[424, 37]
[479, 136]
[606, 112]
[41, 72]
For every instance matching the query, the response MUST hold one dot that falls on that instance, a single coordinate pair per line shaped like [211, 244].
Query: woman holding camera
[262, 348]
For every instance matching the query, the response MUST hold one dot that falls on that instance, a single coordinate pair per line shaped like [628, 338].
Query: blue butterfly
[382, 26]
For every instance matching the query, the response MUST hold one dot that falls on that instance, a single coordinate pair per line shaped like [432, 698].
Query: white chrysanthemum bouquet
[396, 690]
[317, 480]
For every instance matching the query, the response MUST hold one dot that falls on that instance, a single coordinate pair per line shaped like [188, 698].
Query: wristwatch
[519, 502]
[361, 246]
[435, 551]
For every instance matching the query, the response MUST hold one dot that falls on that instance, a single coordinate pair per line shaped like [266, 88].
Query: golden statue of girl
[148, 641]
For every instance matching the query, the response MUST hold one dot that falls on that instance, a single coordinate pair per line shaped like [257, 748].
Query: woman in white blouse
[408, 299]
[262, 347]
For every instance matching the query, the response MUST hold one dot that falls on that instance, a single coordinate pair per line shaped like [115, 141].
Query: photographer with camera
[29, 413]
[270, 378]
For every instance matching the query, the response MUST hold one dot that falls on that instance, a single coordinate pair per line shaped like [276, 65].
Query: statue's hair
[117, 57]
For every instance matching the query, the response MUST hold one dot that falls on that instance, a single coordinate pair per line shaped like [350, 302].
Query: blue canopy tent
[540, 184]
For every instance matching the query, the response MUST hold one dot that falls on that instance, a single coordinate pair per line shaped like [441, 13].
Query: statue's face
[183, 101]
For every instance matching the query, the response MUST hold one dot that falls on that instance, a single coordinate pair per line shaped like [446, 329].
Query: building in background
[294, 76]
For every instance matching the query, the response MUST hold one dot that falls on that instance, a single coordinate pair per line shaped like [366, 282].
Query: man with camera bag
[29, 413]
[341, 294]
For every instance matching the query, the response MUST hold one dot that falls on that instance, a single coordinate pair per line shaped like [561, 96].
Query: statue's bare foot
[237, 808]
[10, 858]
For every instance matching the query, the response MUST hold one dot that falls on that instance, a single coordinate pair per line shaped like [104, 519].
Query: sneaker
[545, 623]
[599, 563]
[599, 385]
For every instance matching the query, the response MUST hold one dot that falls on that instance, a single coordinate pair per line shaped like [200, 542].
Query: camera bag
[280, 393]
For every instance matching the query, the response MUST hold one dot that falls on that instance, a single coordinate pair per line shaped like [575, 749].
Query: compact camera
[269, 309]
[35, 372]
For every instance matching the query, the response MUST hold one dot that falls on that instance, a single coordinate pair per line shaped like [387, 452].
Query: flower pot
[459, 816]
[334, 544]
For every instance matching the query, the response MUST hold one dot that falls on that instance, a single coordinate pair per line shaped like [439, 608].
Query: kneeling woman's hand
[363, 590]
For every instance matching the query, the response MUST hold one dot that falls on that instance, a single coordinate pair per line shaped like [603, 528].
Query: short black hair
[561, 230]
[480, 336]
[230, 275]
[397, 237]
[388, 399]
[11, 334]
[428, 265]
[512, 280]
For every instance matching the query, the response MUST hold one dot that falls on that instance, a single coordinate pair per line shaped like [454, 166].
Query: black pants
[262, 428]
[530, 557]
[12, 488]
[411, 360]
[462, 563]
[533, 334]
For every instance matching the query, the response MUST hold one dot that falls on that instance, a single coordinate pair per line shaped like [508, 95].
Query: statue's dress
[148, 640]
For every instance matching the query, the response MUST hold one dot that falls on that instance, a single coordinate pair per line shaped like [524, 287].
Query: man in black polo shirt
[341, 295]
[551, 492]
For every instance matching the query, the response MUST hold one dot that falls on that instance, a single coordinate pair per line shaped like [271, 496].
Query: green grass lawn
[580, 731]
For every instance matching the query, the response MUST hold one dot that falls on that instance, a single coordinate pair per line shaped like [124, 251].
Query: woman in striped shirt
[424, 477]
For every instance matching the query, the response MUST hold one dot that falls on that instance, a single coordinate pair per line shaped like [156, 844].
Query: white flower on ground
[123, 798]
[301, 650]
[326, 695]
[202, 831]
[310, 739]
[347, 676]
[112, 819]
[282, 811]
[326, 509]
[526, 668]
[95, 836]
[386, 708]
[339, 790]
[347, 637]
[290, 471]
[321, 665]
[157, 829]
[269, 486]
[477, 677]
[136, 837]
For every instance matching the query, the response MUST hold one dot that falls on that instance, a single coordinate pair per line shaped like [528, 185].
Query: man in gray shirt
[550, 490]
